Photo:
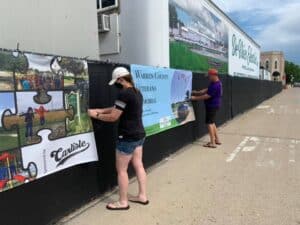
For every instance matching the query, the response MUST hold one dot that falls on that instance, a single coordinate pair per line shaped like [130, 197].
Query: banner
[244, 56]
[198, 37]
[44, 125]
[166, 94]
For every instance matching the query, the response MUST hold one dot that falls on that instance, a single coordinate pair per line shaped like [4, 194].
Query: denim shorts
[128, 147]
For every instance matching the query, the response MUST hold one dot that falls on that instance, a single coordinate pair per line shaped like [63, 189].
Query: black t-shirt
[131, 128]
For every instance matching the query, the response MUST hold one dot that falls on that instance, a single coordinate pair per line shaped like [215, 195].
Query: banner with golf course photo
[198, 37]
[166, 97]
[44, 126]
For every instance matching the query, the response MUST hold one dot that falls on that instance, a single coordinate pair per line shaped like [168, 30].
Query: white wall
[144, 33]
[62, 27]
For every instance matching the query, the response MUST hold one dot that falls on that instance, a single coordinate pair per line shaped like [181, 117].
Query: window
[267, 65]
[103, 5]
[276, 65]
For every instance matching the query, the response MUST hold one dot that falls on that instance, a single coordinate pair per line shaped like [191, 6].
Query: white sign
[244, 56]
[52, 156]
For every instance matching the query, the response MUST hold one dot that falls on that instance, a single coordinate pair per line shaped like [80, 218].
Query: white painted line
[255, 139]
[274, 140]
[272, 111]
[249, 149]
[292, 152]
[260, 157]
[263, 107]
[238, 149]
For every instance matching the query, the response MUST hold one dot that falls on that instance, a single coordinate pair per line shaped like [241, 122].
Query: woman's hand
[93, 113]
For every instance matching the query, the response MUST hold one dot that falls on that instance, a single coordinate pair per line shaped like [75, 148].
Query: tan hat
[118, 73]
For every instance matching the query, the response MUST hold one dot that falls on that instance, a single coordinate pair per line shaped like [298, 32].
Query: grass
[8, 142]
[58, 131]
[51, 117]
[82, 126]
[155, 129]
[181, 57]
[69, 81]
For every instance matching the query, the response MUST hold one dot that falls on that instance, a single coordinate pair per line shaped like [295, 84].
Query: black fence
[46, 200]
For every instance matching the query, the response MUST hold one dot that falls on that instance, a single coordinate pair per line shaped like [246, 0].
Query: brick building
[274, 62]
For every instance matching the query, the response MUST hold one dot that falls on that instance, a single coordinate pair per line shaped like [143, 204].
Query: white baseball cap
[118, 73]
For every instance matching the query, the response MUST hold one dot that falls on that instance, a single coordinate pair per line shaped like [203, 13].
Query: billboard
[202, 37]
[166, 94]
[244, 55]
[44, 126]
[198, 37]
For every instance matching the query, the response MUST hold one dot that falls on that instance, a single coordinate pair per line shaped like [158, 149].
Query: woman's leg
[137, 161]
[122, 161]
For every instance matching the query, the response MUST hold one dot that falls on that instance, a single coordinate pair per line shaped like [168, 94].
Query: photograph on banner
[81, 122]
[33, 117]
[76, 85]
[198, 37]
[166, 95]
[12, 173]
[39, 75]
[44, 125]
[244, 55]
[8, 139]
[75, 71]
[11, 64]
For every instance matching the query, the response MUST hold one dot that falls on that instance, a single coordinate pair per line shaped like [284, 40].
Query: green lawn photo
[155, 128]
[182, 57]
[8, 140]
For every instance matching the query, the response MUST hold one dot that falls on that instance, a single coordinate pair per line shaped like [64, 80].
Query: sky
[7, 102]
[25, 100]
[41, 63]
[181, 83]
[273, 24]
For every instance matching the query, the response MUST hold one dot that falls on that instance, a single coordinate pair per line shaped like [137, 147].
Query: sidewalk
[252, 179]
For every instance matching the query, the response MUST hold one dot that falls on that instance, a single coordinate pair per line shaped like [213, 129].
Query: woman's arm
[111, 115]
[104, 110]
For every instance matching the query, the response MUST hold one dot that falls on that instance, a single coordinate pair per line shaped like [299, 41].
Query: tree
[292, 70]
[173, 16]
[73, 66]
[9, 62]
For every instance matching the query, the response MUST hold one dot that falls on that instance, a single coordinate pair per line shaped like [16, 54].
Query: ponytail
[129, 79]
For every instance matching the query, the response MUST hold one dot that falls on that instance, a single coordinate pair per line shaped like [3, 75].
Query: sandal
[209, 145]
[117, 206]
[137, 201]
[218, 143]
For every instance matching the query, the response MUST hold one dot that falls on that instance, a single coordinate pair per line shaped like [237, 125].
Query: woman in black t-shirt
[128, 110]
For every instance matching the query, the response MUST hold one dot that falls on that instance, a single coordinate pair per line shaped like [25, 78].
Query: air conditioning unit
[103, 23]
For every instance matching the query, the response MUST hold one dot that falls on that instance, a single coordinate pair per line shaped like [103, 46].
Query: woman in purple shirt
[212, 100]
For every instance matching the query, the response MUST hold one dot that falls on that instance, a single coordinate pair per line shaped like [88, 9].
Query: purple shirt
[215, 92]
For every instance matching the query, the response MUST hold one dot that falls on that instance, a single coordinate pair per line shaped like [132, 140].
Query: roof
[272, 53]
